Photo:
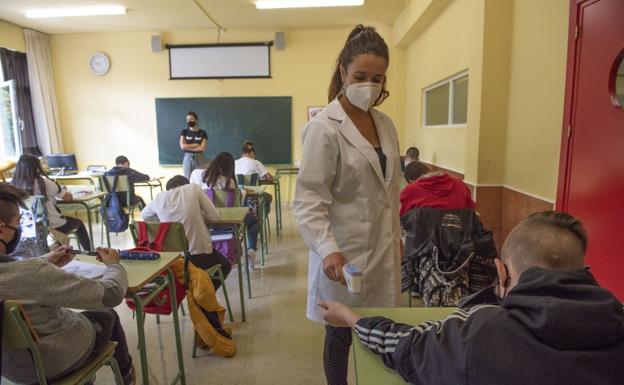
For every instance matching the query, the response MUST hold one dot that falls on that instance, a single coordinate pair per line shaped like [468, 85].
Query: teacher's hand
[332, 266]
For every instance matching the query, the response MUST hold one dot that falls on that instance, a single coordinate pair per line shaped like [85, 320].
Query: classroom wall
[102, 117]
[536, 96]
[441, 50]
[11, 36]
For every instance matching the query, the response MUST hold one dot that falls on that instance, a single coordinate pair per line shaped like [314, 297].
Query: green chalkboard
[266, 121]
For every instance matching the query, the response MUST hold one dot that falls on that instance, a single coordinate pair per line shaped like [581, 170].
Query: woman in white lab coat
[347, 195]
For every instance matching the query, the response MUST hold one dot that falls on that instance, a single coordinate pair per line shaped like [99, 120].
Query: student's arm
[56, 287]
[54, 191]
[134, 176]
[414, 352]
[148, 211]
[208, 210]
[264, 173]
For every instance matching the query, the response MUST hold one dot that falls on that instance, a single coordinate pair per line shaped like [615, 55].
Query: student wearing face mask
[347, 195]
[193, 142]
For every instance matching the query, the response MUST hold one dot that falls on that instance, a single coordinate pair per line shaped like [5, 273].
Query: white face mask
[362, 95]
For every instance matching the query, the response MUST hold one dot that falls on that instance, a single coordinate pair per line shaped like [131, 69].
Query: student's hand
[59, 256]
[338, 315]
[332, 266]
[107, 255]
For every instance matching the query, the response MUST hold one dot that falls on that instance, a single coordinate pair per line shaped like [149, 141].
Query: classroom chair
[176, 240]
[248, 180]
[122, 186]
[17, 334]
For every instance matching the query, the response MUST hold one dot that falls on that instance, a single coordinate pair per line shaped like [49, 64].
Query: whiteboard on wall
[218, 61]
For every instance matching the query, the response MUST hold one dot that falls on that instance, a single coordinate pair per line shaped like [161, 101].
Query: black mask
[191, 124]
[12, 244]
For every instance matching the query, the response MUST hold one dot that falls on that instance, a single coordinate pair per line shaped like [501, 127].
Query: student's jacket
[206, 313]
[554, 327]
[343, 203]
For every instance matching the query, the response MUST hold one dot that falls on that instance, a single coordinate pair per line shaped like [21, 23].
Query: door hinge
[576, 32]
[569, 131]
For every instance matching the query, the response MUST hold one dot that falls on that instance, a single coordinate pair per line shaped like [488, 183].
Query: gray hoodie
[66, 337]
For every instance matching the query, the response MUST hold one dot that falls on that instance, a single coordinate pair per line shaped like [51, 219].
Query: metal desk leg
[140, 318]
[176, 327]
[238, 233]
[278, 208]
[88, 209]
[247, 264]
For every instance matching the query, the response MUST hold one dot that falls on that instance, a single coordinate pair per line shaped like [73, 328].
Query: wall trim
[516, 190]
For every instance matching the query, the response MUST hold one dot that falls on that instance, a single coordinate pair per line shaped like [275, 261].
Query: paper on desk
[85, 269]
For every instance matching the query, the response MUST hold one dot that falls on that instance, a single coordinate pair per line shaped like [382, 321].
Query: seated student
[412, 154]
[187, 204]
[29, 176]
[436, 189]
[197, 175]
[552, 324]
[122, 167]
[220, 175]
[247, 164]
[67, 339]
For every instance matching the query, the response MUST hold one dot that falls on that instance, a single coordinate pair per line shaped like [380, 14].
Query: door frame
[569, 108]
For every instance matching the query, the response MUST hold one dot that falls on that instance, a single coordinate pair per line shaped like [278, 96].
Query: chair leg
[182, 308]
[112, 362]
[193, 354]
[225, 294]
[158, 319]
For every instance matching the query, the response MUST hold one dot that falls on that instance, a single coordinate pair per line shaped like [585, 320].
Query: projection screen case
[218, 61]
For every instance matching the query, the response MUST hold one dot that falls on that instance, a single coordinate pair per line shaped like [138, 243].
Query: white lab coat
[343, 203]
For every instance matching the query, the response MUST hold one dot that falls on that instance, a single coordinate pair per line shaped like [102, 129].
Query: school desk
[289, 172]
[235, 216]
[257, 192]
[369, 369]
[278, 202]
[90, 201]
[152, 184]
[140, 273]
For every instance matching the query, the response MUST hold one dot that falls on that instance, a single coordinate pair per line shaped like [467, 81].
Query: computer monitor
[66, 162]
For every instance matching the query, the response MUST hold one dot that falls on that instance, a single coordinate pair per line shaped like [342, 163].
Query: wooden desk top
[369, 369]
[140, 273]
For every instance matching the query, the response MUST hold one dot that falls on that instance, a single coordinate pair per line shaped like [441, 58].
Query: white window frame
[16, 123]
[451, 82]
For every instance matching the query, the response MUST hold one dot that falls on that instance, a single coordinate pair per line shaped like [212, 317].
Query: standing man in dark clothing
[193, 142]
[122, 167]
[552, 322]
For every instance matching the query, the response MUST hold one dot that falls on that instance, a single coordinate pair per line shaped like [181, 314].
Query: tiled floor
[277, 345]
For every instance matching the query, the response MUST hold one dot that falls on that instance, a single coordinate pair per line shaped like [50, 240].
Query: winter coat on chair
[448, 255]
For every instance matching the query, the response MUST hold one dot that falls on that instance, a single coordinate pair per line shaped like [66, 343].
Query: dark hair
[121, 160]
[248, 150]
[193, 114]
[248, 143]
[412, 153]
[29, 172]
[361, 40]
[221, 165]
[415, 170]
[547, 239]
[11, 198]
[176, 181]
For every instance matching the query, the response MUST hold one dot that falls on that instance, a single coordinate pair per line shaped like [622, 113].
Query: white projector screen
[210, 61]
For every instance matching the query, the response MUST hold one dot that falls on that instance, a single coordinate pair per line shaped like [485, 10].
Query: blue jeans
[251, 222]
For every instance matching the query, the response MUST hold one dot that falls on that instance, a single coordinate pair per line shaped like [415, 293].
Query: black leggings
[336, 354]
[75, 224]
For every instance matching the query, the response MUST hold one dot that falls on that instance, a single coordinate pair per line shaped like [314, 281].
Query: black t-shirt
[193, 137]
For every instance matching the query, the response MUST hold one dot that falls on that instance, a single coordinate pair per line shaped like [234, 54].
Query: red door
[591, 179]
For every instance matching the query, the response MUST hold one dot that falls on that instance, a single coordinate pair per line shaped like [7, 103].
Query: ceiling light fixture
[274, 4]
[101, 10]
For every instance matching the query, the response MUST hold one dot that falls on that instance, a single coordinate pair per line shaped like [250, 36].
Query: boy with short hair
[122, 167]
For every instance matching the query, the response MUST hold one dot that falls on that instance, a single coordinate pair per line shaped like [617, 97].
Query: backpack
[112, 211]
[162, 303]
[34, 224]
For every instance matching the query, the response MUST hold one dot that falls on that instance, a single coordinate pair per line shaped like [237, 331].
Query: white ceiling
[167, 15]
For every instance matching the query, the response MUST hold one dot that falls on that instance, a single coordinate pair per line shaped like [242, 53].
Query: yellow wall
[11, 36]
[102, 117]
[440, 51]
[536, 95]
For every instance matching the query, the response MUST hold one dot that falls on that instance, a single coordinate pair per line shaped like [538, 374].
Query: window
[446, 102]
[10, 145]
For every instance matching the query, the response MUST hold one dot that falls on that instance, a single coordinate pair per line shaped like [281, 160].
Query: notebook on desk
[85, 269]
